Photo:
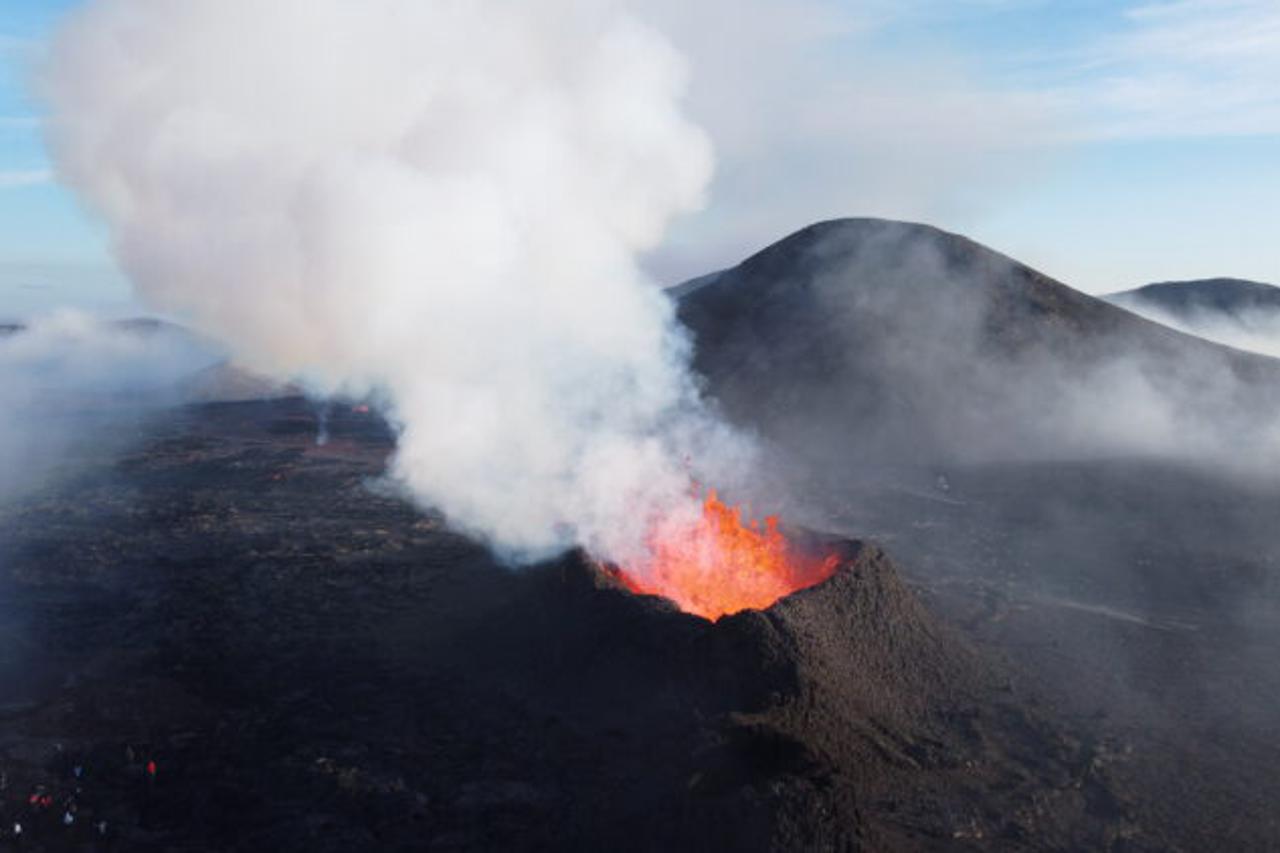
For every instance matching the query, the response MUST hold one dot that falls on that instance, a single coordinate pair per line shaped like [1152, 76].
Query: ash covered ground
[225, 635]
[312, 666]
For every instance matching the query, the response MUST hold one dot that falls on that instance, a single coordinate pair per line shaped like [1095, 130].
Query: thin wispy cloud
[1188, 68]
[16, 46]
[814, 117]
[912, 109]
[15, 178]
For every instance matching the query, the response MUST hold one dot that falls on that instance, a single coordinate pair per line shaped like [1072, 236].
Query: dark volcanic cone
[842, 717]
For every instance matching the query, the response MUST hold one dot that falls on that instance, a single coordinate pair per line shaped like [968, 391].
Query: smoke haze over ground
[440, 203]
[72, 384]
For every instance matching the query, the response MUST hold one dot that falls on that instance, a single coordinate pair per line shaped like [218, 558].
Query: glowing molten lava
[718, 565]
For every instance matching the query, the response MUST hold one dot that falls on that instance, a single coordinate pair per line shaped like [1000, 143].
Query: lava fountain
[718, 564]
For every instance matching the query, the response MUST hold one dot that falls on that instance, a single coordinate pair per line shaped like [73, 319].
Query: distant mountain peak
[1222, 295]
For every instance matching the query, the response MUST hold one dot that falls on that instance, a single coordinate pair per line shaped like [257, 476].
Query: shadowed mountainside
[869, 342]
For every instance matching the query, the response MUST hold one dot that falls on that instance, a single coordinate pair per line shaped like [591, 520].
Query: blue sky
[1107, 143]
[51, 252]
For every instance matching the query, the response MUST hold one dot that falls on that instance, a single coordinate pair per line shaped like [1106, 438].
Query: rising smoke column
[437, 200]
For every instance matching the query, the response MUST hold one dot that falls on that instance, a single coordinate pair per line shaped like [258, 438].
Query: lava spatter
[718, 564]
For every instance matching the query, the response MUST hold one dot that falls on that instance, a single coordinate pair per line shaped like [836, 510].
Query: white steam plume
[439, 200]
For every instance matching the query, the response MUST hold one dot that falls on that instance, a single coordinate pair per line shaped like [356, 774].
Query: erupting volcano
[719, 565]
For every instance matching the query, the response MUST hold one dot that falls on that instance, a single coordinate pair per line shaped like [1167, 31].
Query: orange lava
[720, 565]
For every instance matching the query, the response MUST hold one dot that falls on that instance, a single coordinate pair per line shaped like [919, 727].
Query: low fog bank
[865, 345]
[1236, 313]
[74, 388]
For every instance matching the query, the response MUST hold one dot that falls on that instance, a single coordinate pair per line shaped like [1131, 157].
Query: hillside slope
[862, 340]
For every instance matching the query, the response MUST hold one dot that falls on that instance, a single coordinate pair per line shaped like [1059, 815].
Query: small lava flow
[719, 565]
